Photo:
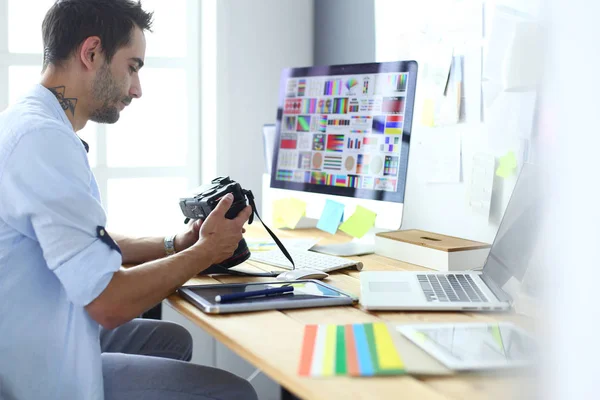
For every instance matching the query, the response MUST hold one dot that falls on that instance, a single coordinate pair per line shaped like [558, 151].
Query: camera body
[201, 203]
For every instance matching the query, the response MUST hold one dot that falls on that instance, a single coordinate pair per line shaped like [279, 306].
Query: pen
[244, 295]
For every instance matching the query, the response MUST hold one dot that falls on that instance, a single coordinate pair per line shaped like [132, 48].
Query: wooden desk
[272, 340]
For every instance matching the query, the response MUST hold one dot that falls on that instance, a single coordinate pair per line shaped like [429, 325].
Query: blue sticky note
[332, 216]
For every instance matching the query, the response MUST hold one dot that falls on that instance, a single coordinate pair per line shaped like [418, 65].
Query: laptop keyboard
[450, 288]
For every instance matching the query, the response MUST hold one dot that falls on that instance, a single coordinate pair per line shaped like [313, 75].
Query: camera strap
[287, 255]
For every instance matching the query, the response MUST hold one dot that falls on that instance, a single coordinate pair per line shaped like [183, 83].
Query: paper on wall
[497, 43]
[510, 118]
[481, 184]
[529, 8]
[443, 159]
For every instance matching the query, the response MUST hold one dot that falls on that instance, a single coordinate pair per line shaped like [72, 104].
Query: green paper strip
[340, 352]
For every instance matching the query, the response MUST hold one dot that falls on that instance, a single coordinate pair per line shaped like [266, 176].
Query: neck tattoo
[67, 103]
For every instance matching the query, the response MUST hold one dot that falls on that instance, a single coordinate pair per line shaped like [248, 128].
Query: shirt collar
[50, 99]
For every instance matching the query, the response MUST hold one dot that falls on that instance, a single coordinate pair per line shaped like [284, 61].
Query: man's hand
[190, 236]
[187, 238]
[219, 235]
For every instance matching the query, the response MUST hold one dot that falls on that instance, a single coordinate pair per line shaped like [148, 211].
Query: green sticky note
[508, 164]
[359, 223]
[288, 212]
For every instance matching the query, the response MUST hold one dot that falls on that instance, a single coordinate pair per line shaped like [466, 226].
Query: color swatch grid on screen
[344, 130]
[397, 82]
[335, 143]
[355, 350]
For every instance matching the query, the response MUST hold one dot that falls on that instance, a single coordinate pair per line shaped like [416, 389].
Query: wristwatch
[170, 245]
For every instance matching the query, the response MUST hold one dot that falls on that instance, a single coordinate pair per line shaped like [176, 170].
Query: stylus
[256, 293]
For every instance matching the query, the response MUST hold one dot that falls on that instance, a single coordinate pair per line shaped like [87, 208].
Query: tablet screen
[473, 346]
[302, 290]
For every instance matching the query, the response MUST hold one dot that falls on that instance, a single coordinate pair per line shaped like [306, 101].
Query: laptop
[504, 276]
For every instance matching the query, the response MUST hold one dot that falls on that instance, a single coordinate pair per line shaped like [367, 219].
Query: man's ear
[90, 52]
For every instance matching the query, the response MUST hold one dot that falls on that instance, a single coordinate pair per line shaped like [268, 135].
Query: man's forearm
[139, 250]
[134, 290]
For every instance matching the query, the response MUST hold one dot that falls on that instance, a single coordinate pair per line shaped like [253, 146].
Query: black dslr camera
[205, 200]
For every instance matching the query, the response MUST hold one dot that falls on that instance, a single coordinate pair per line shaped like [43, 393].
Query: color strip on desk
[388, 358]
[352, 358]
[355, 350]
[316, 368]
[372, 348]
[365, 363]
[329, 358]
[308, 348]
[340, 352]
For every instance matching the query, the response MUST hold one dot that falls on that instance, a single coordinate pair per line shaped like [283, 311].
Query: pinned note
[508, 165]
[481, 184]
[288, 212]
[359, 223]
[428, 114]
[332, 216]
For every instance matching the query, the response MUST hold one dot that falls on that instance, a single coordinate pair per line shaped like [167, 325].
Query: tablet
[474, 346]
[306, 293]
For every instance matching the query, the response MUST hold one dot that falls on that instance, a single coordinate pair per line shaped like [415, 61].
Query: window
[150, 157]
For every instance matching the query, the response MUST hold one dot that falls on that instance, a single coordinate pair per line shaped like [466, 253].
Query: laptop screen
[514, 247]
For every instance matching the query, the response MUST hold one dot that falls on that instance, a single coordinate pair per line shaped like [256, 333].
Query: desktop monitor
[343, 133]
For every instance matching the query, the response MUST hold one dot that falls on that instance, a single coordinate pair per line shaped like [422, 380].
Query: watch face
[169, 245]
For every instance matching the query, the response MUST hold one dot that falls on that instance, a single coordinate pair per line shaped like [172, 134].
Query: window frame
[190, 63]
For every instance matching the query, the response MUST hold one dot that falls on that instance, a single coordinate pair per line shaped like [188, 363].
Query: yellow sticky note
[507, 166]
[359, 223]
[288, 212]
[428, 116]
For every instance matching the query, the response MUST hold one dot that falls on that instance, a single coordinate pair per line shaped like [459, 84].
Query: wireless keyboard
[304, 259]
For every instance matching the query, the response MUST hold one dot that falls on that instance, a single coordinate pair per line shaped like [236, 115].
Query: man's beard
[107, 91]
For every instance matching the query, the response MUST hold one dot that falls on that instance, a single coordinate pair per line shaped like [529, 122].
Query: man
[67, 308]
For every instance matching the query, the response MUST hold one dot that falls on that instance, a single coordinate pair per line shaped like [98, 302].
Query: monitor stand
[356, 247]
[345, 249]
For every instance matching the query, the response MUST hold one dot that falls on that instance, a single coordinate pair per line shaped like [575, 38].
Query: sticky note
[288, 212]
[508, 164]
[332, 215]
[359, 223]
[428, 115]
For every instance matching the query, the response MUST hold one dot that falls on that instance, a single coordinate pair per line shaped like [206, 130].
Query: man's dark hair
[69, 22]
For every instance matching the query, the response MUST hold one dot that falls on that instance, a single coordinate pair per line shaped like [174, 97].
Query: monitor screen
[345, 130]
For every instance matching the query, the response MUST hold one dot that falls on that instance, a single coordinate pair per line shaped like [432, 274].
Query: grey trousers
[148, 359]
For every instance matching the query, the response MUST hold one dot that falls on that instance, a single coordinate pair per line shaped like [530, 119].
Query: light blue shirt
[52, 263]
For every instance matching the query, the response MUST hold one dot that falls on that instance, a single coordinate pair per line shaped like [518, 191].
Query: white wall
[255, 40]
[344, 31]
[443, 207]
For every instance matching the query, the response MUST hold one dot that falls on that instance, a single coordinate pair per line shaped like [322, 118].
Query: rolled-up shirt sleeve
[46, 194]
